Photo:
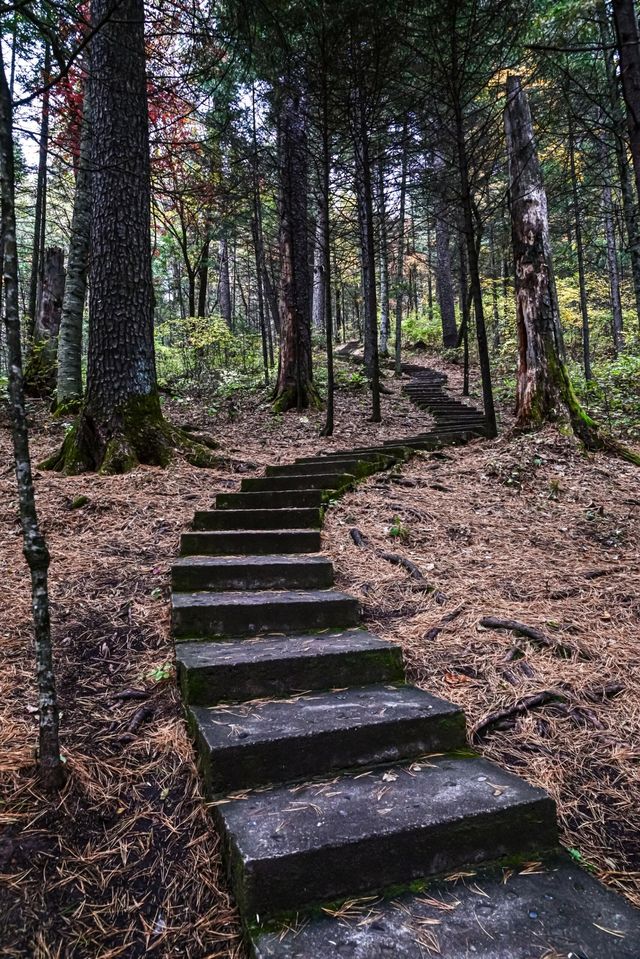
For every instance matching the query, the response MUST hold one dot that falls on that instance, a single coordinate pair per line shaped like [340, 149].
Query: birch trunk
[35, 547]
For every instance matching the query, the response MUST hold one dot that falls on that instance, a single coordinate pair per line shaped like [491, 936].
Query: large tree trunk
[295, 387]
[544, 391]
[444, 282]
[69, 390]
[120, 424]
[203, 272]
[40, 369]
[628, 38]
[35, 547]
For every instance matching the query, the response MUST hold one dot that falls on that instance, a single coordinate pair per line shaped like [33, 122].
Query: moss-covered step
[552, 909]
[435, 439]
[282, 518]
[353, 466]
[329, 480]
[381, 460]
[196, 573]
[214, 615]
[361, 833]
[272, 499]
[247, 542]
[281, 740]
[269, 666]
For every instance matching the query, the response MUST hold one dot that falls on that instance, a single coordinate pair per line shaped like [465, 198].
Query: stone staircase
[330, 778]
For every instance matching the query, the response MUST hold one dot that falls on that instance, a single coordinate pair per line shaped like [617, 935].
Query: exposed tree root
[532, 633]
[139, 435]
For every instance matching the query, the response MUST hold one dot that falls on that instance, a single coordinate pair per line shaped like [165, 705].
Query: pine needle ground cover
[125, 863]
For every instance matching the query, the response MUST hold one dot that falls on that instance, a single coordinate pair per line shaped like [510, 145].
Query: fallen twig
[361, 540]
[435, 630]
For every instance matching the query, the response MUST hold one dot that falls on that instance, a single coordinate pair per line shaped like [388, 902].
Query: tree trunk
[399, 284]
[628, 41]
[464, 314]
[120, 424]
[364, 193]
[612, 267]
[429, 275]
[69, 391]
[544, 391]
[584, 311]
[295, 387]
[35, 547]
[494, 291]
[40, 221]
[224, 295]
[40, 369]
[318, 278]
[203, 271]
[444, 283]
[384, 264]
[629, 203]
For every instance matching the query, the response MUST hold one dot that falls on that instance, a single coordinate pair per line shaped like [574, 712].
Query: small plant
[397, 529]
[160, 674]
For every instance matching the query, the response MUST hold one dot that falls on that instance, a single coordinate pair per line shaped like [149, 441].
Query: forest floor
[124, 862]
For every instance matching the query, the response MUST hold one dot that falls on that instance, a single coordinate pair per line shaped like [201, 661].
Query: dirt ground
[124, 863]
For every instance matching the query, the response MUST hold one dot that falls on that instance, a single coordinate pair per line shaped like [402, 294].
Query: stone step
[271, 499]
[382, 461]
[556, 909]
[247, 542]
[278, 741]
[435, 440]
[212, 615]
[196, 573]
[210, 673]
[290, 848]
[333, 481]
[285, 518]
[355, 467]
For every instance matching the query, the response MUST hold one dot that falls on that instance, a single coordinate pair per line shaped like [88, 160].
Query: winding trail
[330, 777]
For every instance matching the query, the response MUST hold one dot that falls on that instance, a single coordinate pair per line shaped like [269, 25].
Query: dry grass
[125, 863]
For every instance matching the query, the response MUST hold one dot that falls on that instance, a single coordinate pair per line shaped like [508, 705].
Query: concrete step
[355, 467]
[212, 615]
[246, 542]
[333, 481]
[434, 440]
[281, 740]
[556, 909]
[271, 499]
[288, 849]
[285, 518]
[195, 573]
[210, 673]
[382, 461]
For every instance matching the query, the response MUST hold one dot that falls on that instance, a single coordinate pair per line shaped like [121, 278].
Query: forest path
[330, 778]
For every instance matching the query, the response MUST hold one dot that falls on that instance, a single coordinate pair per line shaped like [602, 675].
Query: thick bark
[295, 387]
[224, 290]
[364, 193]
[584, 310]
[35, 547]
[40, 220]
[628, 41]
[444, 283]
[384, 265]
[40, 369]
[544, 391]
[399, 284]
[120, 424]
[69, 389]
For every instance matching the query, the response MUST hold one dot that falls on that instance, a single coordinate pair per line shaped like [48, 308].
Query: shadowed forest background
[224, 229]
